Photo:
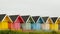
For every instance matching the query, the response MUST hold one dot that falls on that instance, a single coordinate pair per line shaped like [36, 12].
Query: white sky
[30, 7]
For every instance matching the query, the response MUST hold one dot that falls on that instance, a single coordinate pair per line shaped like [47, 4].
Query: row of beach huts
[27, 22]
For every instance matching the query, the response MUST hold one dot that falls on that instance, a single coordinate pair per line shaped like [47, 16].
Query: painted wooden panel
[33, 26]
[46, 27]
[23, 26]
[38, 26]
[17, 26]
[12, 26]
[0, 26]
[53, 27]
[56, 27]
[9, 26]
[26, 26]
[43, 26]
[50, 26]
[4, 25]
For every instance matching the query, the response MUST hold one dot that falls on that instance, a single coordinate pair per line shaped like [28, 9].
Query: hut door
[0, 26]
[38, 26]
[46, 26]
[28, 26]
[9, 25]
[58, 26]
[4, 25]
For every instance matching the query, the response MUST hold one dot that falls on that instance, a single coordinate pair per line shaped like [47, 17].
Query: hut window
[59, 26]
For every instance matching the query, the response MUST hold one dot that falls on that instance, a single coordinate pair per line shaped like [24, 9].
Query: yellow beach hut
[54, 26]
[57, 24]
[4, 20]
[50, 22]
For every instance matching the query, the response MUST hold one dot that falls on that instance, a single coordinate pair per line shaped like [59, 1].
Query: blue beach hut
[38, 23]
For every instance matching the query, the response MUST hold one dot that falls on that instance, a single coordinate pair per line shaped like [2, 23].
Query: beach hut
[57, 24]
[38, 23]
[4, 19]
[54, 26]
[50, 22]
[27, 22]
[45, 26]
[17, 21]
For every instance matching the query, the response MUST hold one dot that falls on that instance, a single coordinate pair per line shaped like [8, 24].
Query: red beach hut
[17, 21]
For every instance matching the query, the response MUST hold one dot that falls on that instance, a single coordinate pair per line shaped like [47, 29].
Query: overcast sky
[30, 7]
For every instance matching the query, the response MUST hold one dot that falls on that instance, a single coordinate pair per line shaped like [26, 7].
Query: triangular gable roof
[40, 20]
[49, 21]
[25, 17]
[7, 18]
[35, 18]
[54, 19]
[30, 19]
[20, 19]
[13, 17]
[2, 16]
[45, 18]
[58, 20]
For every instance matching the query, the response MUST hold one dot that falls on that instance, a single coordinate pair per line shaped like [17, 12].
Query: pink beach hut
[17, 21]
